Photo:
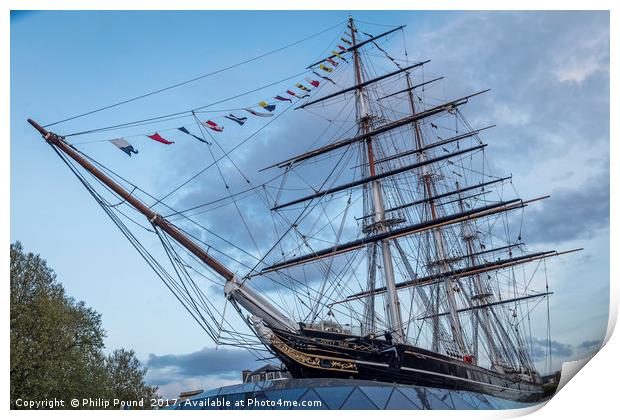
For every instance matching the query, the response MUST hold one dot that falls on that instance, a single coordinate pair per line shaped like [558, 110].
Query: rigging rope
[186, 113]
[222, 157]
[196, 78]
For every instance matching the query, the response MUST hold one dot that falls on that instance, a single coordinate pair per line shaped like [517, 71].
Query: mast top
[39, 128]
[362, 84]
[361, 44]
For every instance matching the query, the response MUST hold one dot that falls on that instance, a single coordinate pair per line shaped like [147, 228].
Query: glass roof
[340, 394]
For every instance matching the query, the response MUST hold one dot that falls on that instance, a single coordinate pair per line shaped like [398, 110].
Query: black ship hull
[320, 354]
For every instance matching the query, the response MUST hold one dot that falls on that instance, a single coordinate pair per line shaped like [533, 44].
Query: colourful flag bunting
[332, 62]
[312, 82]
[159, 138]
[337, 54]
[346, 41]
[124, 145]
[213, 126]
[325, 68]
[186, 131]
[302, 87]
[238, 120]
[281, 98]
[267, 106]
[290, 92]
[323, 77]
[258, 114]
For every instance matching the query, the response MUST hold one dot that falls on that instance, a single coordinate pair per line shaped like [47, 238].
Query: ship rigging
[391, 255]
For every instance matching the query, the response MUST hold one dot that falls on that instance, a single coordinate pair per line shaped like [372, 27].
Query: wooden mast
[151, 215]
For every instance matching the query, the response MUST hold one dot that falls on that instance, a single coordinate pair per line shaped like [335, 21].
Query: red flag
[342, 48]
[290, 92]
[332, 62]
[213, 126]
[312, 82]
[159, 138]
[323, 77]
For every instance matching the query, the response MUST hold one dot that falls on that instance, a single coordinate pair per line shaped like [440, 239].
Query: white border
[592, 395]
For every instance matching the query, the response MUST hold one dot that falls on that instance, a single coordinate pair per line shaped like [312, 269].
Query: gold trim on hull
[342, 365]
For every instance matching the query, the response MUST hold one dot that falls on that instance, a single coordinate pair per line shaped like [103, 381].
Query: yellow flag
[266, 106]
[325, 68]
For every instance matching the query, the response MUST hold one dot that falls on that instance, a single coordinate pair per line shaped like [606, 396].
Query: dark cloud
[570, 213]
[224, 362]
[540, 349]
[590, 345]
[246, 221]
[549, 74]
[551, 108]
[544, 102]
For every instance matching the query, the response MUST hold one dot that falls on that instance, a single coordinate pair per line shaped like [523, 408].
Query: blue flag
[186, 131]
[238, 120]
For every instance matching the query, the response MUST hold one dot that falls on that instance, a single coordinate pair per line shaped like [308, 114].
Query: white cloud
[510, 115]
[581, 54]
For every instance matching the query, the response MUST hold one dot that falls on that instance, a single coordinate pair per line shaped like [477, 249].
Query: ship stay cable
[186, 113]
[211, 232]
[179, 289]
[376, 177]
[135, 187]
[420, 227]
[226, 155]
[224, 69]
[157, 268]
[443, 215]
[250, 275]
[361, 85]
[219, 170]
[226, 254]
[404, 121]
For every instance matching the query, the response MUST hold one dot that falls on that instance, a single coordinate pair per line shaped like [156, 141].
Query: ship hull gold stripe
[363, 362]
[313, 361]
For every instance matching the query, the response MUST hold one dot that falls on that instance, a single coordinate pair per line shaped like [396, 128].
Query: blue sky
[549, 72]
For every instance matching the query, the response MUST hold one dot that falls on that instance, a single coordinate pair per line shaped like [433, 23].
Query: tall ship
[389, 249]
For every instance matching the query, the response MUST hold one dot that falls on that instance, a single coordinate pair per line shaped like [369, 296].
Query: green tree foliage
[57, 343]
[125, 377]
